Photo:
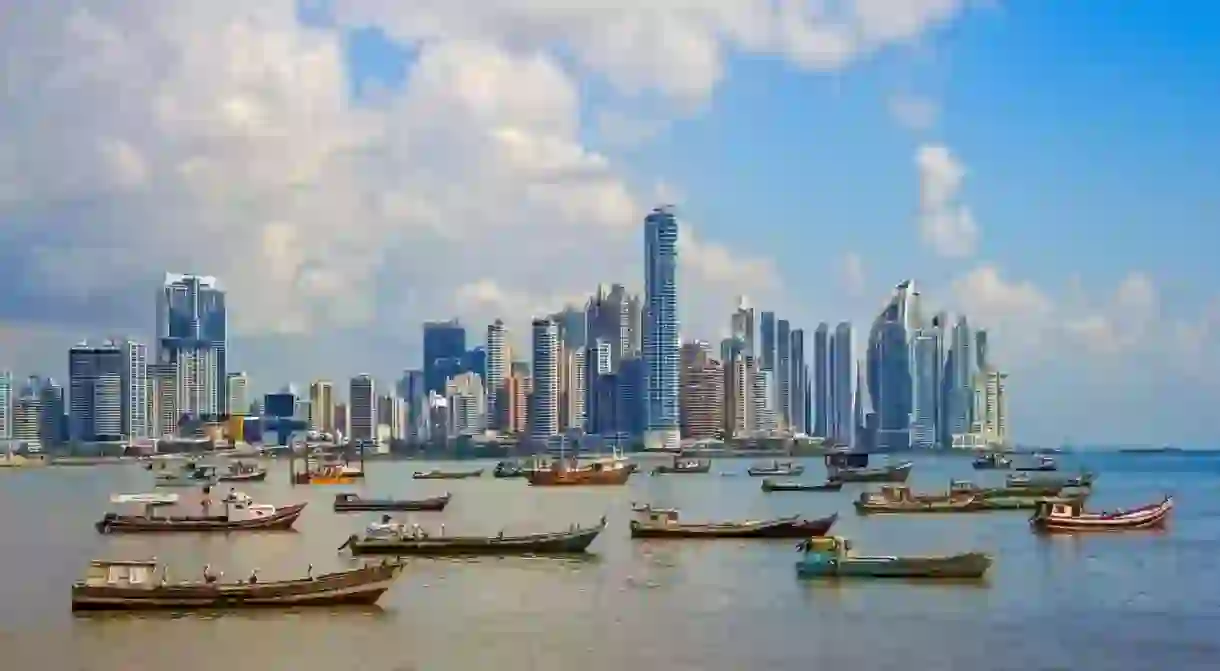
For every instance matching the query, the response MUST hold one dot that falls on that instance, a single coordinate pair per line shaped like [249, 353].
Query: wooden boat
[348, 503]
[249, 518]
[1031, 491]
[186, 475]
[436, 474]
[1022, 480]
[568, 472]
[324, 475]
[684, 466]
[508, 469]
[831, 557]
[1071, 518]
[1042, 464]
[999, 503]
[664, 523]
[770, 485]
[150, 499]
[853, 467]
[992, 461]
[134, 585]
[776, 468]
[241, 472]
[394, 539]
[900, 499]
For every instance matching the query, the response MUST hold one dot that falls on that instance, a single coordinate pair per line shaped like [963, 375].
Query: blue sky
[1086, 133]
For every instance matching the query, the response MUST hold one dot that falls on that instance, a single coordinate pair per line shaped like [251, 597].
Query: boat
[240, 517]
[1022, 481]
[1071, 517]
[150, 499]
[135, 585]
[769, 485]
[992, 461]
[569, 472]
[396, 539]
[831, 557]
[900, 499]
[348, 502]
[665, 523]
[1043, 463]
[1032, 490]
[508, 469]
[437, 474]
[188, 474]
[853, 467]
[776, 468]
[242, 472]
[13, 460]
[332, 474]
[684, 466]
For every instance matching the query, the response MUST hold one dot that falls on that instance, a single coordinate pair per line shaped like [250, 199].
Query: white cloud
[853, 277]
[945, 223]
[913, 112]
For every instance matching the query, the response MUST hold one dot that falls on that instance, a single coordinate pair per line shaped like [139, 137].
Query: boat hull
[447, 476]
[898, 473]
[306, 479]
[663, 470]
[772, 472]
[969, 566]
[1153, 516]
[771, 486]
[788, 527]
[565, 543]
[568, 478]
[360, 587]
[257, 476]
[371, 505]
[282, 520]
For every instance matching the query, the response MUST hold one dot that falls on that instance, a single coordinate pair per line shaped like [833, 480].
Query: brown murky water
[1112, 602]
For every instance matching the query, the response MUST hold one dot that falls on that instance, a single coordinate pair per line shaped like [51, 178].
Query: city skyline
[812, 176]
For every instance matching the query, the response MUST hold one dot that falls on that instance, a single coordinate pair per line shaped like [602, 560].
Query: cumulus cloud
[945, 223]
[221, 137]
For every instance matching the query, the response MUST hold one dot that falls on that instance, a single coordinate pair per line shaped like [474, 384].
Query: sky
[351, 168]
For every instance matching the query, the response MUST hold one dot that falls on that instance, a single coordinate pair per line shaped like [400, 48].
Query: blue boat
[831, 557]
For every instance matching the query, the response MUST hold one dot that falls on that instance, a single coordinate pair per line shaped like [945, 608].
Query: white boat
[150, 499]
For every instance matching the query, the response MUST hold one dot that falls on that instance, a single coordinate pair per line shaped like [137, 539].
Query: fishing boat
[665, 523]
[853, 467]
[11, 459]
[135, 585]
[1024, 481]
[188, 474]
[508, 469]
[349, 503]
[900, 499]
[569, 472]
[437, 474]
[332, 474]
[992, 461]
[243, 472]
[776, 468]
[1053, 517]
[390, 538]
[1042, 463]
[150, 499]
[769, 485]
[831, 557]
[236, 517]
[684, 466]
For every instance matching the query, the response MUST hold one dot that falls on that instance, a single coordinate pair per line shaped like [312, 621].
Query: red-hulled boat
[1070, 517]
[664, 523]
[262, 517]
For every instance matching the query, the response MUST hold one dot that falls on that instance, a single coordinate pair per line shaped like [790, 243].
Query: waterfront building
[497, 369]
[661, 338]
[544, 396]
[842, 376]
[823, 406]
[782, 378]
[925, 388]
[362, 408]
[889, 367]
[237, 391]
[467, 404]
[798, 375]
[322, 400]
[192, 336]
[6, 405]
[95, 379]
[766, 336]
[741, 325]
[702, 393]
[444, 352]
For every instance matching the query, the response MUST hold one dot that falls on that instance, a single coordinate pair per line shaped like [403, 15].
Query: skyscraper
[237, 390]
[608, 319]
[192, 336]
[822, 406]
[782, 378]
[362, 409]
[925, 388]
[544, 400]
[661, 344]
[741, 325]
[6, 405]
[889, 369]
[797, 370]
[497, 367]
[444, 352]
[95, 379]
[842, 377]
[766, 336]
[702, 393]
[322, 402]
[134, 380]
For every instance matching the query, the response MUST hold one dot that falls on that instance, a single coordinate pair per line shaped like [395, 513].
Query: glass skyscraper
[661, 340]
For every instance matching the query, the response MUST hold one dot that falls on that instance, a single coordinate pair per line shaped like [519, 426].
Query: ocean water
[1115, 602]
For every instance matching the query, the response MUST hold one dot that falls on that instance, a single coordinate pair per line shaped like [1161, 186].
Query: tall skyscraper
[982, 356]
[889, 369]
[608, 318]
[925, 388]
[766, 336]
[797, 371]
[413, 391]
[192, 336]
[661, 344]
[444, 352]
[237, 389]
[6, 405]
[741, 325]
[702, 393]
[544, 400]
[134, 380]
[842, 395]
[322, 402]
[95, 378]
[27, 412]
[362, 408]
[782, 377]
[497, 369]
[51, 423]
[822, 405]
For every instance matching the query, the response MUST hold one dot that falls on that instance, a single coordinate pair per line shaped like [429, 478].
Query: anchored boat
[1059, 517]
[254, 517]
[831, 557]
[684, 466]
[614, 470]
[348, 503]
[243, 472]
[770, 485]
[134, 585]
[992, 461]
[776, 468]
[664, 523]
[1023, 480]
[1042, 463]
[853, 467]
[437, 474]
[389, 538]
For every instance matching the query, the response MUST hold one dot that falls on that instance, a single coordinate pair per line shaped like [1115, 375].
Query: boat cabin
[962, 487]
[660, 515]
[121, 573]
[346, 496]
[1060, 509]
[846, 460]
[834, 546]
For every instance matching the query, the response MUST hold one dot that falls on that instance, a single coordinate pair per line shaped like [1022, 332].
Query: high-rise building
[51, 423]
[95, 377]
[497, 369]
[413, 391]
[515, 407]
[982, 356]
[702, 393]
[925, 388]
[661, 344]
[192, 336]
[163, 399]
[467, 404]
[991, 408]
[444, 353]
[737, 395]
[27, 413]
[823, 408]
[741, 325]
[798, 371]
[842, 395]
[573, 389]
[766, 336]
[237, 390]
[6, 405]
[134, 380]
[782, 378]
[889, 369]
[763, 397]
[322, 400]
[608, 319]
[362, 409]
[544, 396]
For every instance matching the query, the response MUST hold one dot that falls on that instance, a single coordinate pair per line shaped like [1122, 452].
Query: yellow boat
[325, 475]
